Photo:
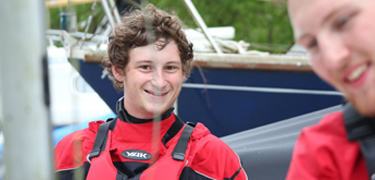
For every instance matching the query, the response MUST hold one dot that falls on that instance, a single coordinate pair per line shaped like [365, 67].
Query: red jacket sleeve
[309, 162]
[71, 150]
[216, 160]
[323, 151]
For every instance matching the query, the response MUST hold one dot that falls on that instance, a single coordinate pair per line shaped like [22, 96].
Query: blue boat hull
[226, 112]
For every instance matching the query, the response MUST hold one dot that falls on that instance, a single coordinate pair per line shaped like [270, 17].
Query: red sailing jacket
[323, 152]
[206, 156]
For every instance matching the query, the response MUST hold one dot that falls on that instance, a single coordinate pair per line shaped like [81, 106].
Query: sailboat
[255, 101]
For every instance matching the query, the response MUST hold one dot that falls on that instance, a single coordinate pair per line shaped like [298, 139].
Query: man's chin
[157, 111]
[367, 110]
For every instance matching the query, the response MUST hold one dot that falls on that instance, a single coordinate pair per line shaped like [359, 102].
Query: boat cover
[266, 151]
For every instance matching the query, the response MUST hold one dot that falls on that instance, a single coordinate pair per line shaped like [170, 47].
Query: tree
[264, 24]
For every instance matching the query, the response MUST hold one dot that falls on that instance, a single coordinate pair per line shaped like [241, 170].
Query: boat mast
[201, 24]
[24, 91]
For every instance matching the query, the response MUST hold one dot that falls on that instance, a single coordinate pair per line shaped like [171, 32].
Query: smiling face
[340, 38]
[152, 79]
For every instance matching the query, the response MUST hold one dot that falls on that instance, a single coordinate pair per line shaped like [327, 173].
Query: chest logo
[136, 154]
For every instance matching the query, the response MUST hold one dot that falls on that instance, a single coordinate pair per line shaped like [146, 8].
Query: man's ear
[117, 73]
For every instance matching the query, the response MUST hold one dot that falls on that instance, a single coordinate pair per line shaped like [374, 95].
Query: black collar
[172, 131]
[125, 116]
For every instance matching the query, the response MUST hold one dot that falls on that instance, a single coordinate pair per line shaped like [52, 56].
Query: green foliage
[264, 24]
[83, 11]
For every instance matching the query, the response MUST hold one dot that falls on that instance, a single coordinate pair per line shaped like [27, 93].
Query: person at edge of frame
[149, 58]
[339, 36]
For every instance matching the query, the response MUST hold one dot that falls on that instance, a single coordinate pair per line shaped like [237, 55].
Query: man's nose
[334, 51]
[159, 80]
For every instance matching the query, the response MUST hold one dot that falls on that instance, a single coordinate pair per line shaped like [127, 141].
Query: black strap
[234, 175]
[101, 136]
[181, 146]
[368, 151]
[100, 139]
[361, 128]
[172, 131]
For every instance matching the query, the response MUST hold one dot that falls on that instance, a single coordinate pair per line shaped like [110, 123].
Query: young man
[340, 38]
[149, 58]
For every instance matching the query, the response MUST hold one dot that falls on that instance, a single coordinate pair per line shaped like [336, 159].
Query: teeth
[155, 94]
[357, 72]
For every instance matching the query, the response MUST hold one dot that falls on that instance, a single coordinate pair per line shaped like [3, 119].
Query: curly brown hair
[141, 27]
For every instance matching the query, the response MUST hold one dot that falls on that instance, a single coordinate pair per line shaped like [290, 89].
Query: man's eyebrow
[174, 62]
[329, 16]
[299, 38]
[143, 61]
[334, 12]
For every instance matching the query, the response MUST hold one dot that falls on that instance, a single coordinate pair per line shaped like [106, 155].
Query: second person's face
[340, 38]
[152, 80]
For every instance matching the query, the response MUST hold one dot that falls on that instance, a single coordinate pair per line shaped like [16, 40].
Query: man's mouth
[156, 93]
[357, 72]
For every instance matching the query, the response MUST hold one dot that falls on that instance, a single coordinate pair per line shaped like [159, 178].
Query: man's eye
[341, 23]
[169, 68]
[312, 44]
[145, 67]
